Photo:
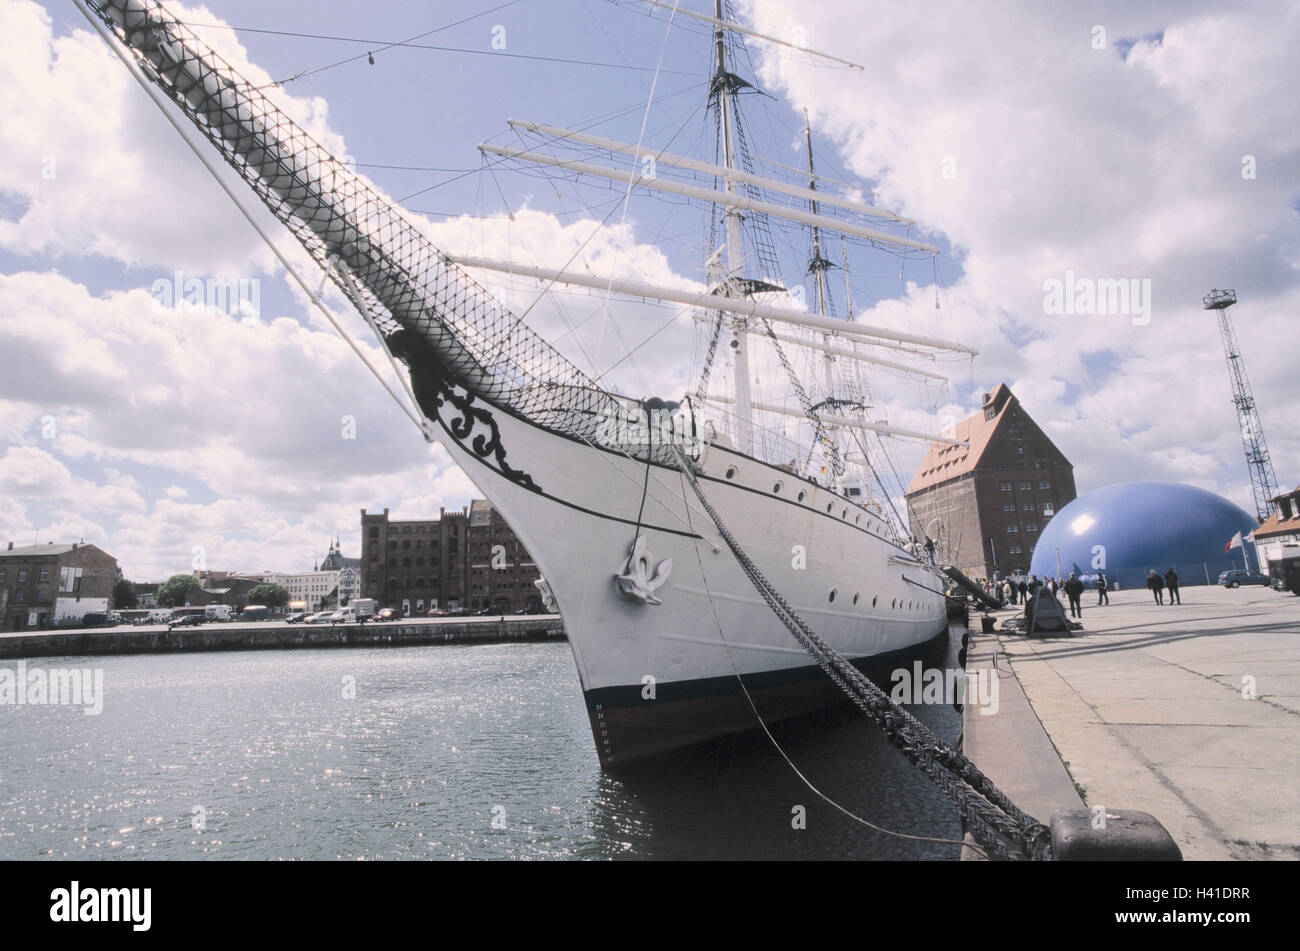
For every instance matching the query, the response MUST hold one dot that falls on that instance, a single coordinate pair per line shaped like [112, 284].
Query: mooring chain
[995, 822]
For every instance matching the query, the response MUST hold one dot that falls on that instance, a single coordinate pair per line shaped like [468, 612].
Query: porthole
[777, 487]
[829, 506]
[831, 598]
[844, 514]
[893, 603]
[874, 599]
[801, 495]
[856, 595]
[857, 520]
[731, 472]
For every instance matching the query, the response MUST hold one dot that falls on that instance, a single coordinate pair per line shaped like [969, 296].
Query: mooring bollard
[987, 623]
[1111, 835]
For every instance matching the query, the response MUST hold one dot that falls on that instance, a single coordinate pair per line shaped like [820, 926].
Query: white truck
[217, 612]
[363, 608]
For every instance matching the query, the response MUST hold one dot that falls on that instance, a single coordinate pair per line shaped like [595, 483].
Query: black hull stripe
[630, 695]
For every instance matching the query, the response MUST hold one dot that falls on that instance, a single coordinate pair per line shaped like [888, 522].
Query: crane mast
[1263, 481]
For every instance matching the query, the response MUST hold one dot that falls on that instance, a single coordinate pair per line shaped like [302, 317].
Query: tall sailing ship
[673, 643]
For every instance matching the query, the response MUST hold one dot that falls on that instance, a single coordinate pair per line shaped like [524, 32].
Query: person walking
[1055, 586]
[1102, 596]
[1171, 582]
[1074, 591]
[1024, 590]
[1157, 586]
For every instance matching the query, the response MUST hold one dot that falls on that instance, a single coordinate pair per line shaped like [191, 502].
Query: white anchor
[635, 584]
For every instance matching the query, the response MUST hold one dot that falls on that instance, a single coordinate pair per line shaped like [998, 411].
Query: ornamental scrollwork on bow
[472, 426]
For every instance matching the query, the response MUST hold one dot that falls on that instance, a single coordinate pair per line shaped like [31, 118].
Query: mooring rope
[993, 819]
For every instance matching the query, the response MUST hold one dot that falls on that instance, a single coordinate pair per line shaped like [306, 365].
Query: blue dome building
[1126, 530]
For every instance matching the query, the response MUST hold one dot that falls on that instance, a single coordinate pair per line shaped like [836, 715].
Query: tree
[124, 595]
[176, 589]
[274, 596]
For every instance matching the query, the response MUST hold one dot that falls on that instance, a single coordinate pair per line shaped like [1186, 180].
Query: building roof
[1275, 524]
[36, 551]
[945, 462]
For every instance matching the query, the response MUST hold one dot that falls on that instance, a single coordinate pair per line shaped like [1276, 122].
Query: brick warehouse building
[446, 562]
[45, 585]
[993, 497]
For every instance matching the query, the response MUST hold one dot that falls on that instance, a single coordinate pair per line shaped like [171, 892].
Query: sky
[1154, 142]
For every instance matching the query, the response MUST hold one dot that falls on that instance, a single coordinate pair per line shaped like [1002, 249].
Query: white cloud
[1072, 158]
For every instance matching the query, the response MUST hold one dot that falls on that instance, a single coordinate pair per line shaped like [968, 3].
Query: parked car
[459, 612]
[490, 610]
[186, 620]
[320, 617]
[1236, 577]
[438, 612]
[295, 617]
[388, 614]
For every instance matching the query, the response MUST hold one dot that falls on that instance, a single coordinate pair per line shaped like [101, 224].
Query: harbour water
[474, 752]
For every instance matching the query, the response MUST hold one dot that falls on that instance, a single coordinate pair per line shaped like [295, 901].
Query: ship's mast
[817, 268]
[724, 89]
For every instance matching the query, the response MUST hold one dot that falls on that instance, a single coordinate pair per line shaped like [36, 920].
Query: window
[1005, 486]
[22, 575]
[1048, 510]
[1044, 484]
[1012, 529]
[1026, 486]
[20, 594]
[1031, 507]
[45, 574]
[2, 576]
[1031, 526]
[1020, 450]
[1009, 507]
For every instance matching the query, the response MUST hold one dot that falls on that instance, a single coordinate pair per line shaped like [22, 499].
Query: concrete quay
[1189, 712]
[277, 635]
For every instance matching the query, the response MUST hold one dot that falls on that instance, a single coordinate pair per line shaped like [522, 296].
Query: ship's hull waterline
[658, 677]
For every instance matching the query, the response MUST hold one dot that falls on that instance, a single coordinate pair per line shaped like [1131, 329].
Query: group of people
[1157, 586]
[1020, 590]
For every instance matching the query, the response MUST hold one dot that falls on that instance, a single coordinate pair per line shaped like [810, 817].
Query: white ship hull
[658, 677]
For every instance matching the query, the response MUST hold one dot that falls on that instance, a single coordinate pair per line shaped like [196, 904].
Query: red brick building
[44, 585]
[987, 503]
[469, 559]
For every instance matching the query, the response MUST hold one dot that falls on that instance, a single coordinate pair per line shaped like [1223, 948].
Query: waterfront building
[45, 585]
[1279, 534]
[469, 558]
[987, 503]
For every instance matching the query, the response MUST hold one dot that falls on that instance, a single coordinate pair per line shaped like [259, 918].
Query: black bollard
[1111, 835]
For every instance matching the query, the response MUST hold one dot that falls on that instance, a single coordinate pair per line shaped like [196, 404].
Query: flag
[1234, 542]
[1251, 538]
